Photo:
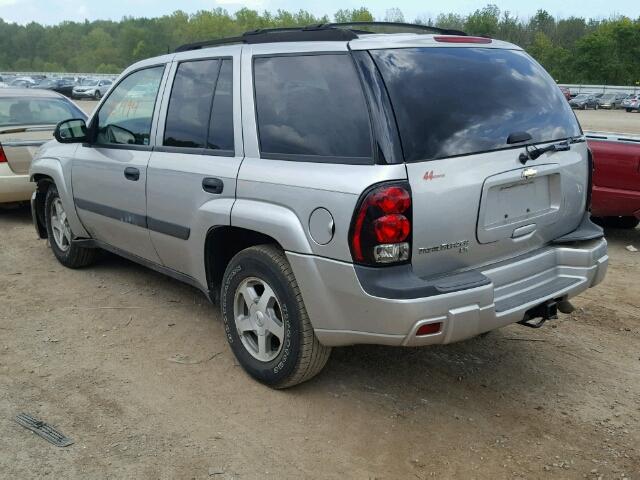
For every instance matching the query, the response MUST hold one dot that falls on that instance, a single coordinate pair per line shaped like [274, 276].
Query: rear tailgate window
[459, 101]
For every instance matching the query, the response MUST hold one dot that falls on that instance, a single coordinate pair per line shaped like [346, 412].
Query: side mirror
[71, 131]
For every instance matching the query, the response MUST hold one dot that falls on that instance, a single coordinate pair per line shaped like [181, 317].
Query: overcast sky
[55, 11]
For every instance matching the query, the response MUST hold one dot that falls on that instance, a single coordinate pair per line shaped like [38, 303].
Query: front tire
[97, 95]
[265, 319]
[60, 236]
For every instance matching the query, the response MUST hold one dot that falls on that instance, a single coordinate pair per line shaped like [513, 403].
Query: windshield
[457, 101]
[89, 83]
[36, 111]
[582, 96]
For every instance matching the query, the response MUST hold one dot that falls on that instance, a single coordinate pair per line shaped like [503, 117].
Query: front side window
[458, 101]
[125, 117]
[311, 108]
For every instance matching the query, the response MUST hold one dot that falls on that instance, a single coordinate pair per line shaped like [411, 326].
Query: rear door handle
[213, 185]
[132, 173]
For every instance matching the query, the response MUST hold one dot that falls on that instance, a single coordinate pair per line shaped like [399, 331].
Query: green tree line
[573, 50]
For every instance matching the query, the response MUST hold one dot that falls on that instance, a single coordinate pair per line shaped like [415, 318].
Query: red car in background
[566, 92]
[616, 179]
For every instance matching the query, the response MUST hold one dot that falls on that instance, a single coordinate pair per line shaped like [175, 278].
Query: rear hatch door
[474, 201]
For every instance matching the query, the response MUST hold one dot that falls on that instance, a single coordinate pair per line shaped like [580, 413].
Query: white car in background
[27, 120]
[94, 89]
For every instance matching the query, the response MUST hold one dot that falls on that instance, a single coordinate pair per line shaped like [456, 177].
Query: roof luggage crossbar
[324, 32]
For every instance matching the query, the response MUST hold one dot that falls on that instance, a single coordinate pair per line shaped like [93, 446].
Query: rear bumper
[14, 188]
[343, 313]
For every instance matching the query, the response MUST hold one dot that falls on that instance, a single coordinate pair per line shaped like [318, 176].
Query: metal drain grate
[40, 428]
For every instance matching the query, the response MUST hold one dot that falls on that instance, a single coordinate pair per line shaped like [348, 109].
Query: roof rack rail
[321, 32]
[398, 27]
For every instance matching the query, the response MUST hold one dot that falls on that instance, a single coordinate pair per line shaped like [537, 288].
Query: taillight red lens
[460, 39]
[381, 227]
[392, 200]
[392, 228]
[3, 157]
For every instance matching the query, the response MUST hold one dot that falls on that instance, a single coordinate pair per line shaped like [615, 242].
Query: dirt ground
[135, 368]
[617, 121]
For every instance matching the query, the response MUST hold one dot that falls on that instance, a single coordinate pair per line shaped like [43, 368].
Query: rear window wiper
[532, 153]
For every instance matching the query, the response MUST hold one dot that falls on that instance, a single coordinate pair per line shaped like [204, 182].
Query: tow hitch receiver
[537, 316]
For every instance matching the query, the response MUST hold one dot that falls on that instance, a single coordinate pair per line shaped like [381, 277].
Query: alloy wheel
[258, 318]
[60, 225]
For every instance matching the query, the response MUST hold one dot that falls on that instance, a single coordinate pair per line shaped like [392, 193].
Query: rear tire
[260, 296]
[628, 110]
[60, 236]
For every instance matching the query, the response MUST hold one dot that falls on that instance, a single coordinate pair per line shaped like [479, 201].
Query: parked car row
[611, 101]
[68, 86]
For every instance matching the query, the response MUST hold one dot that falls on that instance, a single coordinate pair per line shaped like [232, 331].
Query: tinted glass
[36, 111]
[190, 104]
[456, 101]
[221, 127]
[311, 105]
[126, 116]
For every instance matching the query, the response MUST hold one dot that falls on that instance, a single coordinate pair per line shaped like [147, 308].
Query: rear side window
[198, 87]
[221, 125]
[311, 108]
[459, 101]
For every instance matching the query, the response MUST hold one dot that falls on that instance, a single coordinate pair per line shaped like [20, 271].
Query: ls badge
[462, 246]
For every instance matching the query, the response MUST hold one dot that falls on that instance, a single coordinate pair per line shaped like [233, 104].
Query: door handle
[132, 173]
[213, 185]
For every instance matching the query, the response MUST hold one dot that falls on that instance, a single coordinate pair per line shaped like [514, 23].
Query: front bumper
[14, 188]
[343, 313]
[89, 94]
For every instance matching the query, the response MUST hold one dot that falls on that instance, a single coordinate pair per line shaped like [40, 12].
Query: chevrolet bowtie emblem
[528, 173]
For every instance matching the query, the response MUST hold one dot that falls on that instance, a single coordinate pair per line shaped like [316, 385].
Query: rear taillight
[460, 39]
[3, 157]
[381, 227]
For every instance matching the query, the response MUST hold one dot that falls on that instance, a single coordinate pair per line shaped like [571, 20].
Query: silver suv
[328, 186]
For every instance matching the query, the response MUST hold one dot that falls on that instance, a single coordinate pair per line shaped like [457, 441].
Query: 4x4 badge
[430, 175]
[528, 173]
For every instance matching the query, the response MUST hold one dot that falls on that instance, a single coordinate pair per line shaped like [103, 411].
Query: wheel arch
[222, 243]
[51, 170]
[43, 182]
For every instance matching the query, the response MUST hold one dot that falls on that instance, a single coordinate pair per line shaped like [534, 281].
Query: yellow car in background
[27, 120]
